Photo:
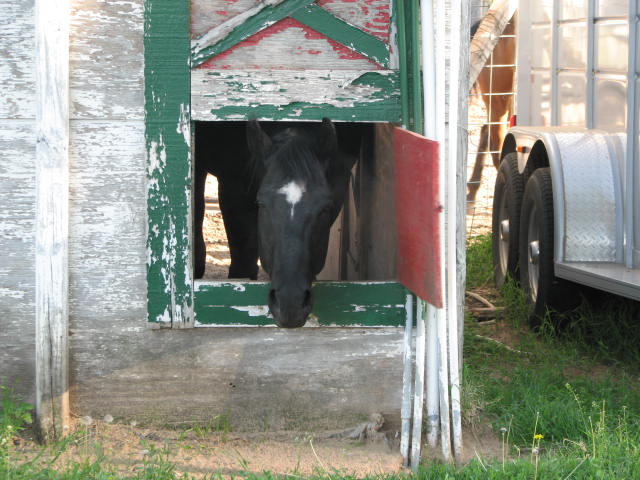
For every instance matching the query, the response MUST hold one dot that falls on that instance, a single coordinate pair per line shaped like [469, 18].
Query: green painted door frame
[173, 299]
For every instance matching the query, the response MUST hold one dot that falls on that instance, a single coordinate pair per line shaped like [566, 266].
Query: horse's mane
[295, 154]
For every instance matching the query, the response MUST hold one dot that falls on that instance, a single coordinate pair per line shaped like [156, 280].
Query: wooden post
[52, 216]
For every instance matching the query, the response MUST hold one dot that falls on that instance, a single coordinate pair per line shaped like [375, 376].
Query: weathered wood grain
[16, 59]
[206, 15]
[278, 94]
[52, 217]
[289, 45]
[107, 254]
[261, 379]
[107, 60]
[372, 16]
[379, 242]
[17, 250]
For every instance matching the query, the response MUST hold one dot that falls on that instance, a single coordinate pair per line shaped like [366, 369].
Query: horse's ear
[328, 138]
[258, 141]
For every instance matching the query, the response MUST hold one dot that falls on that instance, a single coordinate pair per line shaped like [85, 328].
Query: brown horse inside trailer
[495, 86]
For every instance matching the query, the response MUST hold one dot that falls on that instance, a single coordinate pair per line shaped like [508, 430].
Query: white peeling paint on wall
[108, 216]
[107, 60]
[16, 59]
[17, 194]
[213, 90]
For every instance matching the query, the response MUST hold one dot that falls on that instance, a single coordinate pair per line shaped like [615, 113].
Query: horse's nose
[290, 309]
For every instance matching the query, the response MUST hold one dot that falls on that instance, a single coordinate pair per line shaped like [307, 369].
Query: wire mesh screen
[490, 107]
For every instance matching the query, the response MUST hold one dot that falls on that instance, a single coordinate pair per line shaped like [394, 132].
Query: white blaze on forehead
[293, 193]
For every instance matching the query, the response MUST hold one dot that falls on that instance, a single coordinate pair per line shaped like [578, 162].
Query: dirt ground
[201, 452]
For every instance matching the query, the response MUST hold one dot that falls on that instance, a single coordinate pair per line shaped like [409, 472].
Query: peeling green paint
[167, 100]
[336, 303]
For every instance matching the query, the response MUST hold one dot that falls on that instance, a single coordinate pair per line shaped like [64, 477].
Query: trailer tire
[507, 200]
[543, 291]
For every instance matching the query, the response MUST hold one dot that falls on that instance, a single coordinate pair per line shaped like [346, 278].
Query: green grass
[563, 404]
[479, 262]
[577, 386]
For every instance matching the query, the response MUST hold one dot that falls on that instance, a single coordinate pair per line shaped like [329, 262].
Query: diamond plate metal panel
[591, 193]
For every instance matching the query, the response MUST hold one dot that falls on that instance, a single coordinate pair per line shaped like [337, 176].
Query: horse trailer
[567, 196]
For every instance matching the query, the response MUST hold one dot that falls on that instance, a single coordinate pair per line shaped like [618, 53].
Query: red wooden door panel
[417, 214]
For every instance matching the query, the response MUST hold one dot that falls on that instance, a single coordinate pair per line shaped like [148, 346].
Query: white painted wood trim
[219, 32]
[488, 34]
[52, 216]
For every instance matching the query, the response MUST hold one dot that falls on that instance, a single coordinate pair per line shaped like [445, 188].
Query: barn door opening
[357, 285]
[289, 60]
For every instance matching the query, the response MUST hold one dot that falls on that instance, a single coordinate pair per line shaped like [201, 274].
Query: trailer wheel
[536, 246]
[507, 200]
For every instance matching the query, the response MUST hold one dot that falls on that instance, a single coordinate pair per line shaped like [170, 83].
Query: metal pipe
[443, 379]
[630, 208]
[433, 395]
[456, 95]
[428, 68]
[418, 397]
[430, 131]
[443, 374]
[591, 61]
[406, 384]
[555, 38]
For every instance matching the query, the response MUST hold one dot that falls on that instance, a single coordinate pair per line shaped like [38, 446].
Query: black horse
[280, 191]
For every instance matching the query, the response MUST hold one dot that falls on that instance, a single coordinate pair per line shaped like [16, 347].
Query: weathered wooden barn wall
[17, 196]
[312, 378]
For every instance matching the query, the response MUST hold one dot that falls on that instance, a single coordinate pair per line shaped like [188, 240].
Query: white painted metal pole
[52, 216]
[430, 131]
[443, 374]
[433, 395]
[418, 396]
[456, 95]
[630, 172]
[428, 68]
[443, 380]
[405, 413]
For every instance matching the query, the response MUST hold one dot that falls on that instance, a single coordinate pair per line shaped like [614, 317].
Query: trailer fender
[587, 187]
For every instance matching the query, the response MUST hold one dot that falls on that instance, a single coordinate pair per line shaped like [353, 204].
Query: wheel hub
[504, 230]
[534, 252]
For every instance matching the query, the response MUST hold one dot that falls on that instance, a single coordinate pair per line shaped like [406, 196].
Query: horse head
[303, 179]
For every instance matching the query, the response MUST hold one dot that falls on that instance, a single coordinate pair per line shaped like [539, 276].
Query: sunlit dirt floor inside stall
[215, 237]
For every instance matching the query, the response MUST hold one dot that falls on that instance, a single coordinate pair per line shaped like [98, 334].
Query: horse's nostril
[273, 300]
[307, 299]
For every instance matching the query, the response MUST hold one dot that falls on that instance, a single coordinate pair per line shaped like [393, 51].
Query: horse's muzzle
[290, 307]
